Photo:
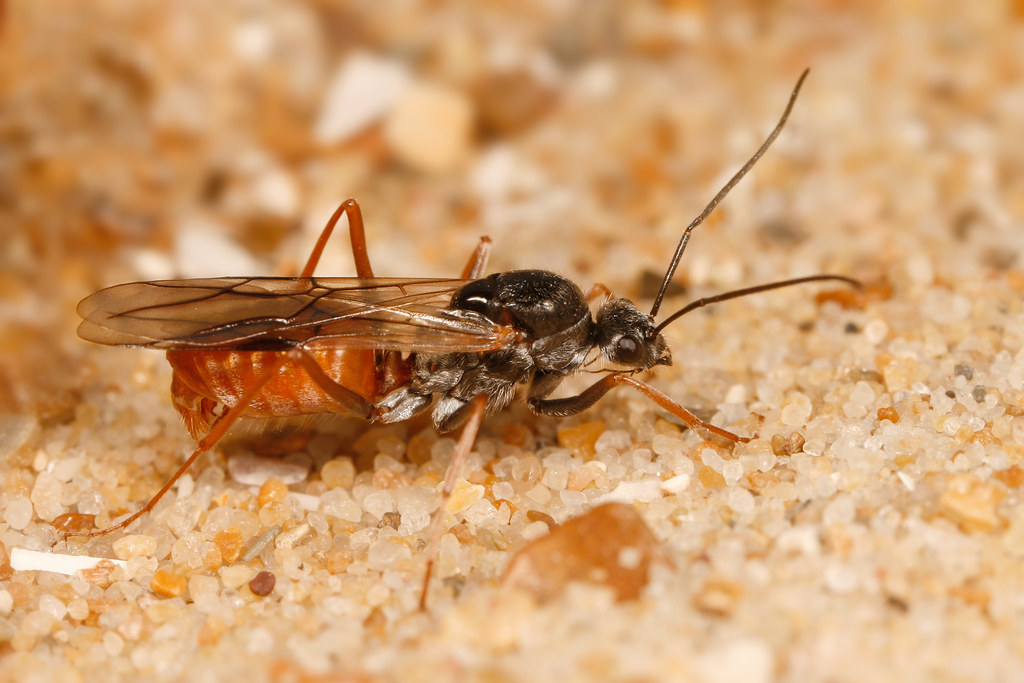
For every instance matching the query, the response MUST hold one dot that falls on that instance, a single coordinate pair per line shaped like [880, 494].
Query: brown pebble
[391, 519]
[510, 102]
[74, 522]
[611, 545]
[889, 414]
[263, 583]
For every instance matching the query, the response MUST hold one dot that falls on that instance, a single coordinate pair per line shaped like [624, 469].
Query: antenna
[736, 293]
[723, 192]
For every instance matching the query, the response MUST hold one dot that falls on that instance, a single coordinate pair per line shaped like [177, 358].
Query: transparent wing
[272, 313]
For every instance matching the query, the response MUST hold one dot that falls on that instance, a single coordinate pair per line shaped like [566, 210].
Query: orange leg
[598, 290]
[348, 401]
[217, 431]
[475, 268]
[462, 449]
[477, 264]
[356, 233]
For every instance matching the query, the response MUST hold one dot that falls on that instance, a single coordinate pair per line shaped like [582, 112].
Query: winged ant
[385, 349]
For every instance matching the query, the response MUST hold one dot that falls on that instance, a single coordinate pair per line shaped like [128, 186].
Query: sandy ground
[872, 529]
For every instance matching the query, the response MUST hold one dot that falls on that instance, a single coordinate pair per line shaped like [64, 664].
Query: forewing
[273, 313]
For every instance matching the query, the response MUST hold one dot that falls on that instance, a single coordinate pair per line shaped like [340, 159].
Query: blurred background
[149, 140]
[152, 139]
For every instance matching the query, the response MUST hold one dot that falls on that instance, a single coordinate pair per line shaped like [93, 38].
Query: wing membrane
[272, 313]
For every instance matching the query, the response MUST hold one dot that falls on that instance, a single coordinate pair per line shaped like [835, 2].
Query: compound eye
[627, 350]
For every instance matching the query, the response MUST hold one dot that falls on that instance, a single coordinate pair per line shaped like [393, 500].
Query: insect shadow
[386, 349]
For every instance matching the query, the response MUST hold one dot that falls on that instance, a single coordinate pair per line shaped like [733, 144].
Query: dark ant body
[558, 334]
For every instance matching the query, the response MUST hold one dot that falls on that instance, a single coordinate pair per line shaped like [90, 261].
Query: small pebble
[338, 473]
[796, 410]
[972, 503]
[202, 249]
[164, 611]
[888, 413]
[47, 495]
[589, 548]
[18, 512]
[378, 503]
[718, 597]
[203, 589]
[363, 90]
[6, 601]
[71, 522]
[16, 431]
[732, 472]
[53, 606]
[259, 543]
[113, 644]
[167, 584]
[876, 331]
[134, 545]
[263, 583]
[709, 478]
[581, 438]
[430, 129]
[676, 484]
[740, 500]
[512, 101]
[36, 624]
[386, 553]
[235, 575]
[294, 537]
[272, 491]
[255, 470]
[464, 495]
[229, 540]
[78, 609]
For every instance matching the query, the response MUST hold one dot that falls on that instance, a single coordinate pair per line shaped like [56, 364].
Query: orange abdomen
[203, 379]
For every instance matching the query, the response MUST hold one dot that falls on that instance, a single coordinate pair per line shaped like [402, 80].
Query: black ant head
[627, 336]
